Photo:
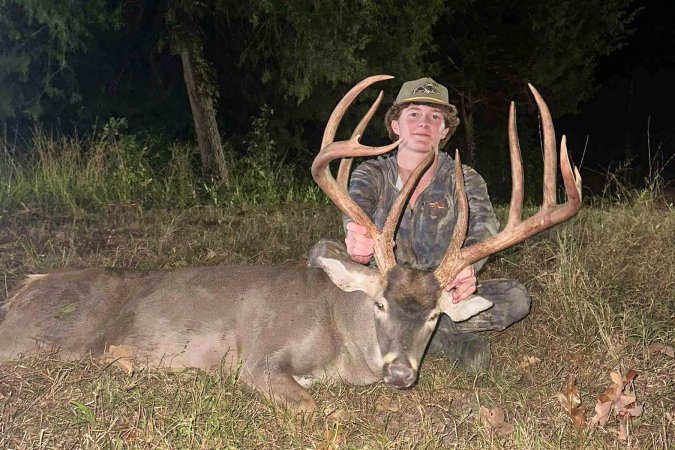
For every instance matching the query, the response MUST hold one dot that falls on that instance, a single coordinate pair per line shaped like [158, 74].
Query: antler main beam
[337, 191]
[517, 230]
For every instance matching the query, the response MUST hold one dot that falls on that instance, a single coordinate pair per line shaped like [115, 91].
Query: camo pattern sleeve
[365, 187]
[483, 222]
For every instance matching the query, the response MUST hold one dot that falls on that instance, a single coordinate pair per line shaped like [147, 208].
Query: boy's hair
[449, 116]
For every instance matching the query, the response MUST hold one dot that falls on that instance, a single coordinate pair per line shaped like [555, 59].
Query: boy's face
[421, 126]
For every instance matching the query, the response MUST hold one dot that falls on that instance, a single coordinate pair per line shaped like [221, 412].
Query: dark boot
[511, 303]
[470, 351]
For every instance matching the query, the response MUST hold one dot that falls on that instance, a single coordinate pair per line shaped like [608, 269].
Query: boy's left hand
[464, 284]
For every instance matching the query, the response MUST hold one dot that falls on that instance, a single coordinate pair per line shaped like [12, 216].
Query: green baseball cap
[424, 90]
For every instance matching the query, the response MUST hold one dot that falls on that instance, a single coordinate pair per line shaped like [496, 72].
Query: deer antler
[516, 230]
[337, 191]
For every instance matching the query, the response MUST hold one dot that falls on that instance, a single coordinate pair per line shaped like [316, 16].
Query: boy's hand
[359, 246]
[464, 284]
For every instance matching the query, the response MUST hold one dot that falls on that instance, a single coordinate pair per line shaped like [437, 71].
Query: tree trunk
[204, 116]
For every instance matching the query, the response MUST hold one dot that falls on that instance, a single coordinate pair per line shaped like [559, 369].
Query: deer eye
[380, 306]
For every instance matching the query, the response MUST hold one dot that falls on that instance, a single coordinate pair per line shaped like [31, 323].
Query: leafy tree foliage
[300, 44]
[298, 57]
[37, 38]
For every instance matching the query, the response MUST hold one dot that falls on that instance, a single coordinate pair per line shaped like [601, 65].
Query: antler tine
[343, 105]
[517, 191]
[384, 241]
[384, 253]
[549, 149]
[451, 262]
[346, 163]
[387, 235]
[550, 214]
[571, 180]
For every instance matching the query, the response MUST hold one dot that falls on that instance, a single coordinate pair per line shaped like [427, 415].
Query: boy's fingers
[356, 228]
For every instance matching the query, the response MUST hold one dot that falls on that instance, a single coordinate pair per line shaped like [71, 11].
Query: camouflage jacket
[425, 231]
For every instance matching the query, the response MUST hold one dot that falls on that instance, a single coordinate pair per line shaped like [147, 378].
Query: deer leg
[281, 387]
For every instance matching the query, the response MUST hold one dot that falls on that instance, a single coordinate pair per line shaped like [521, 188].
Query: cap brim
[424, 100]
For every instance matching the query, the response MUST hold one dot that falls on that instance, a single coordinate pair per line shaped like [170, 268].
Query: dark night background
[277, 70]
[632, 114]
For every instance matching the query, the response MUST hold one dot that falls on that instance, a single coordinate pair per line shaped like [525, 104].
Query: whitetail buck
[284, 327]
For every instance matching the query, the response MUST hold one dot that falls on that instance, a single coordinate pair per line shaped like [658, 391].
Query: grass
[76, 175]
[603, 288]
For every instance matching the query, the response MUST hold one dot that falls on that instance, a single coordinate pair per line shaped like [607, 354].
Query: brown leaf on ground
[620, 398]
[120, 356]
[335, 415]
[494, 419]
[670, 417]
[331, 437]
[570, 399]
[574, 358]
[528, 361]
[658, 347]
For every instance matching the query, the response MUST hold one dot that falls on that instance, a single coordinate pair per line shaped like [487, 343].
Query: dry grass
[603, 290]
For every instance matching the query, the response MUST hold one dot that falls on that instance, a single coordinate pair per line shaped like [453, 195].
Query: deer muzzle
[399, 373]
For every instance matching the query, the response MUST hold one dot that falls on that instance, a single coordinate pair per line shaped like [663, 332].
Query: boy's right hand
[359, 246]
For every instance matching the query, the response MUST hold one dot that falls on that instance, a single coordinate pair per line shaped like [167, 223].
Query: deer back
[194, 317]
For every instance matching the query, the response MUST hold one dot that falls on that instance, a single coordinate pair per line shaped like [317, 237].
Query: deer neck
[357, 340]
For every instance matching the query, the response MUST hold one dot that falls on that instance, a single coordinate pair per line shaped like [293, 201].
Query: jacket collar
[445, 163]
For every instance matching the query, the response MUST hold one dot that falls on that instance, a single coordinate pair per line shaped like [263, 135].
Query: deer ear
[464, 309]
[352, 276]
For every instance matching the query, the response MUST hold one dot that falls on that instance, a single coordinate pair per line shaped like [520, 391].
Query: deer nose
[399, 375]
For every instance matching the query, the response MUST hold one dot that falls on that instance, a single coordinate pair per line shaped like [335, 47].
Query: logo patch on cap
[426, 88]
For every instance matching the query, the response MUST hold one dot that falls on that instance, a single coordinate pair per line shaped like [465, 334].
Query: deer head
[407, 302]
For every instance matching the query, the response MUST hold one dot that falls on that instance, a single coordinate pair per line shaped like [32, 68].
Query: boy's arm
[483, 222]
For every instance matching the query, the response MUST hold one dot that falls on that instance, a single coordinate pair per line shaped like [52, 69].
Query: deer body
[283, 327]
[184, 318]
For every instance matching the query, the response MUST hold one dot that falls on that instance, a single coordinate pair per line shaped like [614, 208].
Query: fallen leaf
[494, 419]
[528, 361]
[66, 310]
[621, 399]
[630, 375]
[120, 356]
[570, 399]
[336, 415]
[658, 347]
[574, 358]
[602, 411]
[331, 437]
[616, 378]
